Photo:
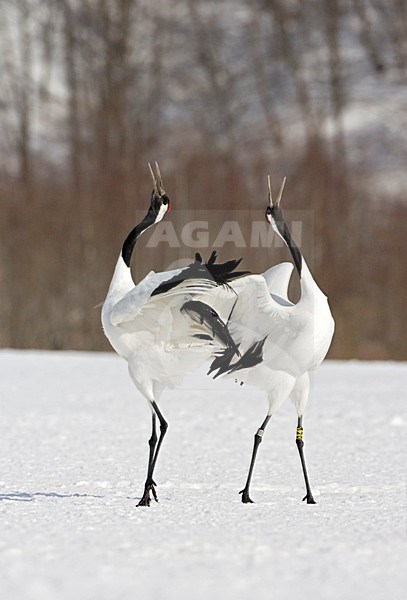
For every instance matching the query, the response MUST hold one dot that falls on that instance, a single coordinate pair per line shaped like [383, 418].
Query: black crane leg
[300, 445]
[150, 484]
[257, 440]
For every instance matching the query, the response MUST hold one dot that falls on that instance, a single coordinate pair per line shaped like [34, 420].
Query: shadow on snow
[29, 497]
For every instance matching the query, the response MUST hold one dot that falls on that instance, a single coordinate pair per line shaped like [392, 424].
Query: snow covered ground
[73, 454]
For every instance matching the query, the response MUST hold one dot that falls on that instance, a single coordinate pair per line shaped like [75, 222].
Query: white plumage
[296, 336]
[164, 334]
[151, 332]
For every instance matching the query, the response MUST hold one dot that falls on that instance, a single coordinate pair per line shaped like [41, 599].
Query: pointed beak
[280, 193]
[270, 196]
[157, 180]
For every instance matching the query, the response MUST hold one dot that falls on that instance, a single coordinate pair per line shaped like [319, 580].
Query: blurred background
[221, 93]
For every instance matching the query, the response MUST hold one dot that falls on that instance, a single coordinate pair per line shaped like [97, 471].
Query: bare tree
[91, 90]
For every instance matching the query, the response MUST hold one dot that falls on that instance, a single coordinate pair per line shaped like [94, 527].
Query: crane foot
[309, 498]
[245, 496]
[146, 499]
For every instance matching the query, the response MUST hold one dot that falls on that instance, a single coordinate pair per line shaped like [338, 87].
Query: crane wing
[127, 308]
[160, 320]
[278, 278]
[197, 276]
[257, 315]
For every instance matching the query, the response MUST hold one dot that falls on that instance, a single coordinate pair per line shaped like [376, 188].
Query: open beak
[280, 193]
[157, 180]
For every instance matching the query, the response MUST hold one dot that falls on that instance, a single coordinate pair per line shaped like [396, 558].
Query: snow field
[73, 457]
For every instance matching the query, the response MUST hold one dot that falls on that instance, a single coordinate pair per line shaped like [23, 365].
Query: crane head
[160, 203]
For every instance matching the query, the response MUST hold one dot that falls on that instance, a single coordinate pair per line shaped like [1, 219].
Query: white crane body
[149, 323]
[294, 338]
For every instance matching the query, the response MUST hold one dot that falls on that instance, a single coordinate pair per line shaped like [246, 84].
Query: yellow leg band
[299, 433]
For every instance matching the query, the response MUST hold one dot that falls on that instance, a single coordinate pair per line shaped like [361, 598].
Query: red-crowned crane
[294, 338]
[145, 324]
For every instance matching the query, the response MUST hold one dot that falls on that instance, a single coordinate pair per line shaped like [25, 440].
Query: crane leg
[257, 441]
[300, 445]
[150, 484]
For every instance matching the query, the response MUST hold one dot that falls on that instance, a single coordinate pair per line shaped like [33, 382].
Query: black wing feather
[252, 357]
[219, 273]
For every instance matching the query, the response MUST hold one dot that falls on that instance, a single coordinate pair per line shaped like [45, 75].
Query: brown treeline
[58, 255]
[94, 90]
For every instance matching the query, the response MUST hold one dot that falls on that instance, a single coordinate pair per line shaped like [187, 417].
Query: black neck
[295, 252]
[134, 234]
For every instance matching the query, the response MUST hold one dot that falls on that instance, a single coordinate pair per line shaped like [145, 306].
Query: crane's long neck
[308, 284]
[292, 246]
[130, 241]
[122, 281]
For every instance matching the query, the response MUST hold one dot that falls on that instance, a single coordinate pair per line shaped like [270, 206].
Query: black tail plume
[205, 315]
[223, 272]
[219, 273]
[224, 358]
[252, 357]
